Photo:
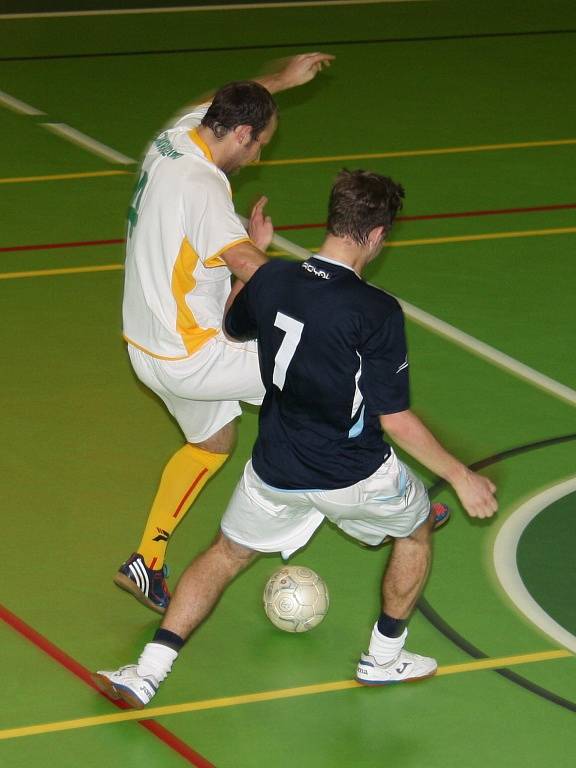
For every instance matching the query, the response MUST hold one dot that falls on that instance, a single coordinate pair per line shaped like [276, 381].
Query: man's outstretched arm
[283, 74]
[289, 73]
[474, 491]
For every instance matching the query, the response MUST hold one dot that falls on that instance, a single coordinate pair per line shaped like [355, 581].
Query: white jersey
[180, 222]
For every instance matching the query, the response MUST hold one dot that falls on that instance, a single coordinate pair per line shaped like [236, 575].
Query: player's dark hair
[361, 201]
[241, 103]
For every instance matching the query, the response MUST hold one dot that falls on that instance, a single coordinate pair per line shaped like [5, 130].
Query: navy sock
[390, 627]
[171, 639]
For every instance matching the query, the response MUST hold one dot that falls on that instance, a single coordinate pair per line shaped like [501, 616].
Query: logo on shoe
[162, 535]
[403, 668]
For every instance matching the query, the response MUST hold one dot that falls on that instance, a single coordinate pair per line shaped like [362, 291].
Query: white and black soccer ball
[296, 598]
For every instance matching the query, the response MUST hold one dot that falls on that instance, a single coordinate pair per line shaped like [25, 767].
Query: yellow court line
[252, 698]
[396, 244]
[63, 271]
[326, 159]
[463, 238]
[64, 176]
[420, 152]
[488, 236]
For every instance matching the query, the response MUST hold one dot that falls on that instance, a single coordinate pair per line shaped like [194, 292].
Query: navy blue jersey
[332, 354]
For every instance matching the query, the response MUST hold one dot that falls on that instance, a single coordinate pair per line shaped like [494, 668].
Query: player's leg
[258, 519]
[183, 478]
[392, 502]
[201, 393]
[387, 661]
[196, 594]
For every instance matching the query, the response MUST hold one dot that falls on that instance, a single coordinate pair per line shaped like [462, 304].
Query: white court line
[477, 347]
[487, 352]
[506, 566]
[204, 8]
[88, 143]
[18, 106]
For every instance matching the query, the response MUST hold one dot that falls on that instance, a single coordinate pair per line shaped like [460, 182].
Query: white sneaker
[406, 666]
[125, 683]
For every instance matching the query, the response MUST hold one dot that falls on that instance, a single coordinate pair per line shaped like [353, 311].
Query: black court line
[314, 45]
[455, 637]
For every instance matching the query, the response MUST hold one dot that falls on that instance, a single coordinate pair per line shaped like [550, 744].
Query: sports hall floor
[471, 105]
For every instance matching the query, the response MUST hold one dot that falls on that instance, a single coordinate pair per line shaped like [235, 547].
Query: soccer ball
[295, 599]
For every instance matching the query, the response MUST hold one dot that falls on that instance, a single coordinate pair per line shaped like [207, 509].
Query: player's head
[361, 204]
[244, 114]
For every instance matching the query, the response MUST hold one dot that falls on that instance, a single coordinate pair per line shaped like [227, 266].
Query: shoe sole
[128, 585]
[116, 693]
[375, 683]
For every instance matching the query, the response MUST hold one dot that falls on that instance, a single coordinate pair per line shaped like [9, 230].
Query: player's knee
[236, 554]
[421, 534]
[221, 441]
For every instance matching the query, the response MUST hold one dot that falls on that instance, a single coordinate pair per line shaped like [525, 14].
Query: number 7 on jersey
[293, 330]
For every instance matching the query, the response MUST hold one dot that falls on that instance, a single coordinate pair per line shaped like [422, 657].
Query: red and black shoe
[146, 584]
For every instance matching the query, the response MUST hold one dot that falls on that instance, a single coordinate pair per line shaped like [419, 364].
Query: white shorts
[202, 391]
[391, 502]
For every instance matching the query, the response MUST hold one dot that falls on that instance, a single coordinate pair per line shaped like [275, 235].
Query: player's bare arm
[282, 75]
[298, 70]
[474, 491]
[243, 260]
[260, 230]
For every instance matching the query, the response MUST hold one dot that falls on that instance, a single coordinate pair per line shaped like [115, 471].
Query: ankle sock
[156, 660]
[385, 649]
[171, 639]
[389, 626]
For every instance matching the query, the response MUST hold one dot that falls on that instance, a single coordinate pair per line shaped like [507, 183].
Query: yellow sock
[182, 480]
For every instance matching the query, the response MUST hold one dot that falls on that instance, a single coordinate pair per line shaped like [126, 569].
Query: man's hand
[260, 226]
[476, 494]
[474, 491]
[289, 73]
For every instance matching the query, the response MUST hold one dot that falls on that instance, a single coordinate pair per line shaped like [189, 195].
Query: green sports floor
[471, 105]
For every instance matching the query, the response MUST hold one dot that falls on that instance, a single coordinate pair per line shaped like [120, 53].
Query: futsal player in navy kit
[334, 364]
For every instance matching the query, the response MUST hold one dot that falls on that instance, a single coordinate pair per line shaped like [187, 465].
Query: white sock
[156, 660]
[385, 649]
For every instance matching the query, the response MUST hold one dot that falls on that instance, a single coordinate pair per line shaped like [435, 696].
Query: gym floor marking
[63, 271]
[421, 152]
[285, 248]
[91, 145]
[506, 565]
[63, 176]
[251, 698]
[18, 106]
[196, 9]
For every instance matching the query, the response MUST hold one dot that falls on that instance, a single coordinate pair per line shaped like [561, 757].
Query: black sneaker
[147, 585]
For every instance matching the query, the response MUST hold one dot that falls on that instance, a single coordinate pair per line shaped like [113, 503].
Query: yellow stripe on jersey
[128, 340]
[195, 137]
[217, 261]
[183, 282]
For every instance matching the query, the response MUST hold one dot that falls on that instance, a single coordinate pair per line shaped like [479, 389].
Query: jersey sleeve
[211, 223]
[385, 379]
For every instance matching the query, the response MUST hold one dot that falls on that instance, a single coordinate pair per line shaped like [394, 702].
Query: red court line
[286, 227]
[457, 215]
[66, 661]
[46, 246]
